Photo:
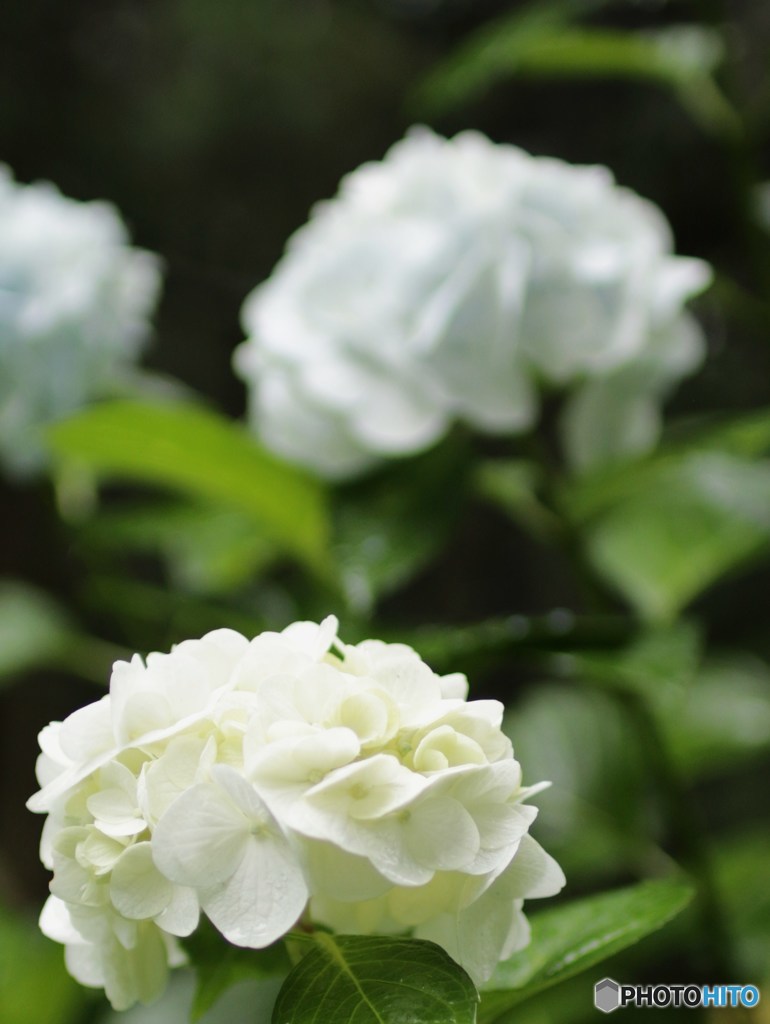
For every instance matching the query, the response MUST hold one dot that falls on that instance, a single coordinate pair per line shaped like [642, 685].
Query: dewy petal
[263, 898]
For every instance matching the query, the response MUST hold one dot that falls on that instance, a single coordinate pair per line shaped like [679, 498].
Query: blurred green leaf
[725, 720]
[356, 979]
[512, 484]
[34, 985]
[714, 714]
[485, 57]
[740, 868]
[219, 965]
[682, 58]
[208, 549]
[685, 523]
[34, 631]
[595, 819]
[194, 450]
[457, 647]
[746, 437]
[661, 663]
[570, 938]
[392, 526]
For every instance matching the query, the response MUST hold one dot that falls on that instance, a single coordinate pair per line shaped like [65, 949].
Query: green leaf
[568, 939]
[512, 484]
[681, 58]
[221, 966]
[208, 548]
[34, 985]
[595, 817]
[392, 526]
[686, 523]
[739, 862]
[34, 631]
[463, 647]
[485, 57]
[661, 663]
[725, 720]
[186, 447]
[351, 979]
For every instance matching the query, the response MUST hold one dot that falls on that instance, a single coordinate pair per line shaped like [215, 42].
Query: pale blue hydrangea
[75, 299]
[454, 280]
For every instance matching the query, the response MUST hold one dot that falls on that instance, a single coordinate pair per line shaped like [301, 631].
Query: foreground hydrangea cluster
[74, 304]
[453, 280]
[288, 777]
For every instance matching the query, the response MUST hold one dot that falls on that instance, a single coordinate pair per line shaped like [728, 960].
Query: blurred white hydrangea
[290, 776]
[449, 282]
[74, 304]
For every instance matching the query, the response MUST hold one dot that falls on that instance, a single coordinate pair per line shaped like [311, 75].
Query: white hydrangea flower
[75, 300]
[447, 282]
[288, 777]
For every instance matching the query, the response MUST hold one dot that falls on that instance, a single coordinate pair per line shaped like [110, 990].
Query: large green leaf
[570, 938]
[681, 58]
[183, 446]
[353, 979]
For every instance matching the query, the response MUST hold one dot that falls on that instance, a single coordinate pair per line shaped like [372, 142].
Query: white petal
[440, 834]
[201, 838]
[532, 872]
[263, 898]
[181, 916]
[56, 922]
[137, 889]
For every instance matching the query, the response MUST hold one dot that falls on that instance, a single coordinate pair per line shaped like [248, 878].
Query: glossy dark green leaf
[352, 979]
[570, 938]
[188, 448]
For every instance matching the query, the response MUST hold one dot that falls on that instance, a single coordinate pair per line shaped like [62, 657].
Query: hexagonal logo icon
[606, 995]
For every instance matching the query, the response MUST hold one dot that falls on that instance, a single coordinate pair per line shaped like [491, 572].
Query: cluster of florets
[75, 299]
[450, 281]
[287, 778]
